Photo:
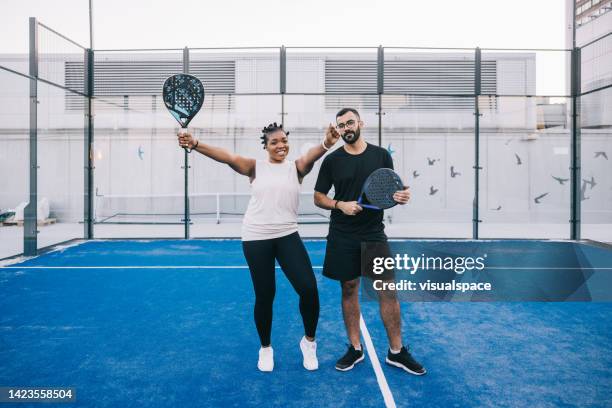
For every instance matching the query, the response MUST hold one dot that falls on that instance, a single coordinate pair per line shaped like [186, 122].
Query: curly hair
[272, 127]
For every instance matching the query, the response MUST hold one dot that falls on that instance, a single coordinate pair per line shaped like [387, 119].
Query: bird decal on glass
[518, 159]
[540, 197]
[601, 154]
[560, 180]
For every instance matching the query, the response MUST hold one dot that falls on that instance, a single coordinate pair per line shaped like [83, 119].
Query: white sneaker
[266, 359]
[309, 351]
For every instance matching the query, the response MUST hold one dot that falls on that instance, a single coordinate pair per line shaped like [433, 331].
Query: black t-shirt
[347, 173]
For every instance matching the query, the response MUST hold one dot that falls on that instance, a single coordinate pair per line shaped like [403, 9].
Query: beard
[351, 137]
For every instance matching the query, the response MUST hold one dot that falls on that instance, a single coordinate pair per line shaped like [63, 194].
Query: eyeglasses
[349, 124]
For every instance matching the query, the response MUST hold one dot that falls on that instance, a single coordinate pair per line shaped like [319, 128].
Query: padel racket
[183, 96]
[378, 189]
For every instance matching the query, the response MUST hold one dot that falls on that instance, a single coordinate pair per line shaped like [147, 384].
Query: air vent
[131, 84]
[403, 77]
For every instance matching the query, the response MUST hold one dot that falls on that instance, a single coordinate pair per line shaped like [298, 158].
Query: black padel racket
[379, 188]
[183, 96]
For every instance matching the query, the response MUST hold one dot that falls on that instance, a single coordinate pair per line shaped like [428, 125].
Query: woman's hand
[331, 136]
[186, 140]
[242, 165]
[306, 161]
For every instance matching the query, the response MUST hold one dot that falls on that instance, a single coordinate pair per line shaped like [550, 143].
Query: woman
[270, 232]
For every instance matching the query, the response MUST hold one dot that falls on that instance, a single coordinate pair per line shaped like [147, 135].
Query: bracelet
[336, 205]
[196, 145]
[323, 145]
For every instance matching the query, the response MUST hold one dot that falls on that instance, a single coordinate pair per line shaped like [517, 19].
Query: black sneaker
[404, 360]
[349, 360]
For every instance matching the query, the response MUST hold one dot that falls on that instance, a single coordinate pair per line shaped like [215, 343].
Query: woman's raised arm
[304, 163]
[241, 165]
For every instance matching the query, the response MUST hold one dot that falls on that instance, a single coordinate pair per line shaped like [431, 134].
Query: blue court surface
[168, 323]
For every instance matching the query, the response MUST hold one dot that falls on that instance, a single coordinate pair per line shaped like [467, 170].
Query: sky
[125, 24]
[198, 23]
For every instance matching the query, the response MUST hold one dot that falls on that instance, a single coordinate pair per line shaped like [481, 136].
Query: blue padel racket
[183, 96]
[378, 189]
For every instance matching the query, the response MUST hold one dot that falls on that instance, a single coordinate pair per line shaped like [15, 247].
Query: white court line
[140, 267]
[380, 376]
[23, 258]
[542, 267]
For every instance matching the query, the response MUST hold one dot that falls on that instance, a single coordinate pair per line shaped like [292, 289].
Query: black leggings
[293, 259]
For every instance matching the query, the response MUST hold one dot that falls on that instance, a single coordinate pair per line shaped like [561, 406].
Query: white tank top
[273, 207]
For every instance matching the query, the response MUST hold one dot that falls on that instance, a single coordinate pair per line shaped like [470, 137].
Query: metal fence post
[187, 218]
[575, 170]
[30, 237]
[380, 85]
[88, 216]
[477, 91]
[283, 81]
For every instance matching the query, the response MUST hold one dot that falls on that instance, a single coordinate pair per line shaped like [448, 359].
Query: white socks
[309, 351]
[266, 359]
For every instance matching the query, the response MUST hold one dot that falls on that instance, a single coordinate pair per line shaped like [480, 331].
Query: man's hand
[331, 136]
[349, 207]
[402, 196]
[186, 140]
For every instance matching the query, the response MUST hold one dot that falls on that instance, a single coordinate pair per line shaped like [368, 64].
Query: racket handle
[370, 206]
[182, 131]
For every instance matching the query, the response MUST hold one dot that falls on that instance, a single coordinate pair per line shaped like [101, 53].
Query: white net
[204, 207]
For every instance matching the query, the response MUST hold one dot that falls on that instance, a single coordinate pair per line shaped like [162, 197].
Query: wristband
[195, 145]
[336, 205]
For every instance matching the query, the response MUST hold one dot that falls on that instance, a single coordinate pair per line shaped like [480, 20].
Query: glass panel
[307, 117]
[596, 183]
[139, 183]
[14, 159]
[61, 168]
[431, 140]
[525, 156]
[217, 193]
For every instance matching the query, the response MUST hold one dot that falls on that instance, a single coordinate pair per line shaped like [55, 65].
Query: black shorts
[343, 255]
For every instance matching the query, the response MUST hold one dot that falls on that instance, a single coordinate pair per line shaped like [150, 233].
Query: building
[425, 117]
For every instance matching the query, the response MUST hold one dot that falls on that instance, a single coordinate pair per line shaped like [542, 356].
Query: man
[347, 169]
